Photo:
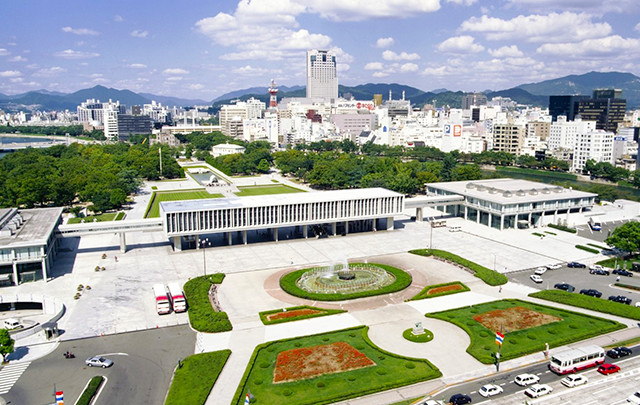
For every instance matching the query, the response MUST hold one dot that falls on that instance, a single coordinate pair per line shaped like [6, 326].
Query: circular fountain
[344, 278]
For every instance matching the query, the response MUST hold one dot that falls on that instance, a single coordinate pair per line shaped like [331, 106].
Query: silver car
[98, 361]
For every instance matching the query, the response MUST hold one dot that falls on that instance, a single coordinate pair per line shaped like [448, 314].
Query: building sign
[447, 129]
[360, 105]
[457, 130]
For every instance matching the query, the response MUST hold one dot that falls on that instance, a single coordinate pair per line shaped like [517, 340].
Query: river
[4, 139]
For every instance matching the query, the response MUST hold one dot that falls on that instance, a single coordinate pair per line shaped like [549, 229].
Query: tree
[448, 168]
[626, 237]
[6, 344]
[263, 166]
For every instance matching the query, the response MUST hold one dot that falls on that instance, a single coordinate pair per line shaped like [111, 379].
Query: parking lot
[580, 279]
[607, 227]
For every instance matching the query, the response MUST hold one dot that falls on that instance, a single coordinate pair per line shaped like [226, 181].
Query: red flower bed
[292, 314]
[309, 362]
[438, 290]
[513, 319]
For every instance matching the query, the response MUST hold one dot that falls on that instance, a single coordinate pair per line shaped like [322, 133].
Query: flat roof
[506, 191]
[38, 225]
[276, 199]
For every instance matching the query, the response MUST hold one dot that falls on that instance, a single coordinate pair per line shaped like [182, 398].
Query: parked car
[490, 390]
[460, 399]
[98, 361]
[634, 398]
[565, 287]
[574, 380]
[618, 352]
[536, 278]
[526, 379]
[591, 292]
[538, 390]
[540, 271]
[595, 267]
[576, 265]
[622, 272]
[620, 298]
[599, 272]
[554, 266]
[608, 369]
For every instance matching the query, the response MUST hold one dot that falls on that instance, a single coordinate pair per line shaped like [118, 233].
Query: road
[143, 366]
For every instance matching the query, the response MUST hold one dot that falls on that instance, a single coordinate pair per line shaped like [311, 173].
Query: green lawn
[292, 311]
[109, 216]
[489, 276]
[202, 316]
[587, 302]
[390, 371]
[612, 262]
[571, 328]
[427, 336]
[153, 209]
[425, 291]
[90, 391]
[266, 189]
[192, 382]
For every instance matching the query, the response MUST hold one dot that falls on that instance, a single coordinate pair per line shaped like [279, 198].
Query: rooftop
[506, 191]
[275, 199]
[28, 227]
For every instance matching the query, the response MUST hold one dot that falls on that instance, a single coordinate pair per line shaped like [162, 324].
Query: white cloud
[408, 67]
[385, 42]
[343, 67]
[174, 78]
[611, 46]
[341, 55]
[637, 27]
[175, 71]
[71, 54]
[248, 69]
[80, 31]
[380, 74]
[357, 10]
[196, 86]
[463, 2]
[597, 6]
[10, 73]
[506, 51]
[139, 33]
[118, 18]
[52, 71]
[554, 27]
[18, 59]
[390, 55]
[3, 52]
[137, 66]
[462, 44]
[436, 71]
[373, 66]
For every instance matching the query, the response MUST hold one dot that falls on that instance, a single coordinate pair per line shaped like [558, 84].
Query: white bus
[178, 300]
[572, 360]
[163, 306]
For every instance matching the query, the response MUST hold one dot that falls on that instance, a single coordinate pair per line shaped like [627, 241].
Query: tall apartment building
[607, 112]
[110, 122]
[595, 145]
[231, 116]
[93, 110]
[508, 137]
[322, 78]
[563, 133]
[472, 99]
[565, 105]
[538, 129]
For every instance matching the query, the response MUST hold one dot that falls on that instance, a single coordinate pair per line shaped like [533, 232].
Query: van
[12, 323]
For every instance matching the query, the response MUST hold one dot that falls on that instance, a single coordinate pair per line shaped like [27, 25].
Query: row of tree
[72, 130]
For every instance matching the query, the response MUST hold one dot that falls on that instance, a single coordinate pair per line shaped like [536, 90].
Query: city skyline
[204, 50]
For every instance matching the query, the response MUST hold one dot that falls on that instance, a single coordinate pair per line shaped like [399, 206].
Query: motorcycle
[69, 355]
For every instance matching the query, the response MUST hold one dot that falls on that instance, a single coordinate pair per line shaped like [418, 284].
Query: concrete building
[512, 203]
[342, 210]
[133, 125]
[351, 125]
[28, 243]
[473, 99]
[563, 133]
[607, 112]
[110, 122]
[595, 145]
[508, 137]
[226, 149]
[322, 77]
[565, 105]
[231, 116]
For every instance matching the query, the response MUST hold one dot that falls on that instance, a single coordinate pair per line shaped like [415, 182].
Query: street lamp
[204, 243]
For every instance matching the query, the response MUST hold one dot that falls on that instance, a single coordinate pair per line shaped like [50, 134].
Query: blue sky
[202, 49]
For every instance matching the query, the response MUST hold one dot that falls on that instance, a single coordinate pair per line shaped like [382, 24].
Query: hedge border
[419, 296]
[587, 302]
[202, 316]
[325, 312]
[627, 286]
[563, 228]
[424, 338]
[587, 249]
[90, 390]
[491, 277]
[288, 284]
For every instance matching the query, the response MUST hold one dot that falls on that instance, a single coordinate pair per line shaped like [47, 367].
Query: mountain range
[536, 94]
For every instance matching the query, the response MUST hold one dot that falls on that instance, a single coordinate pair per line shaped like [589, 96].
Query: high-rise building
[595, 145]
[607, 112]
[508, 137]
[607, 93]
[473, 99]
[133, 125]
[322, 78]
[564, 105]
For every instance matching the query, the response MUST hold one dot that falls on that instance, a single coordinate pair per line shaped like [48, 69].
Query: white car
[634, 398]
[538, 390]
[490, 390]
[574, 380]
[536, 278]
[540, 271]
[595, 267]
[526, 379]
[554, 266]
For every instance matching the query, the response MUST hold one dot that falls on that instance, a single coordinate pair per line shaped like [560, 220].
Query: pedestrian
[618, 279]
[116, 257]
[500, 289]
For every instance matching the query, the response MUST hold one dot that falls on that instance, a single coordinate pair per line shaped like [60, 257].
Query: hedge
[489, 276]
[587, 302]
[289, 285]
[563, 228]
[423, 294]
[598, 246]
[587, 249]
[325, 312]
[202, 316]
[90, 391]
[628, 286]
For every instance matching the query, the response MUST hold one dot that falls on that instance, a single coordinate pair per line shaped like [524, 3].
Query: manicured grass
[587, 249]
[120, 216]
[487, 275]
[628, 286]
[153, 209]
[550, 233]
[266, 189]
[202, 316]
[408, 401]
[427, 336]
[109, 216]
[612, 262]
[192, 382]
[572, 328]
[587, 302]
[598, 246]
[90, 391]
[425, 291]
[390, 371]
[288, 284]
[562, 228]
[561, 176]
[628, 342]
[538, 234]
[290, 314]
[274, 181]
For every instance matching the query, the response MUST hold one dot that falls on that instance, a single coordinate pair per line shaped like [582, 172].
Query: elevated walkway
[419, 203]
[121, 227]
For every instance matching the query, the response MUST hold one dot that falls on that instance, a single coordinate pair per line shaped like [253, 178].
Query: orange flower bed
[513, 319]
[293, 314]
[444, 288]
[309, 362]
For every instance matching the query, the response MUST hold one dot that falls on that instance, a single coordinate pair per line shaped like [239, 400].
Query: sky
[203, 49]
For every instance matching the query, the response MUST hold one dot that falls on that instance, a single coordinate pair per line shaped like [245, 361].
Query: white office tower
[595, 145]
[563, 133]
[110, 116]
[322, 79]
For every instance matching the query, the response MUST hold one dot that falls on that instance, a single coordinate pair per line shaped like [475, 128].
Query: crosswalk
[10, 373]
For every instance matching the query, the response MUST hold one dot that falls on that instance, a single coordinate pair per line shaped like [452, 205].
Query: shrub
[598, 246]
[562, 228]
[587, 249]
[90, 391]
[539, 234]
[202, 316]
[490, 277]
[264, 316]
[425, 291]
[628, 286]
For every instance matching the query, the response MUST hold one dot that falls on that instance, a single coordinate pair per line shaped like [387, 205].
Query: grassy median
[195, 377]
[202, 316]
[587, 302]
[489, 276]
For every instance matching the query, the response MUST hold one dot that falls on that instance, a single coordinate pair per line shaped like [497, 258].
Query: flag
[499, 338]
[59, 398]
[247, 399]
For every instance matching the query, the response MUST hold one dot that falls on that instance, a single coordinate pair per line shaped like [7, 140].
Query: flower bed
[438, 290]
[295, 314]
